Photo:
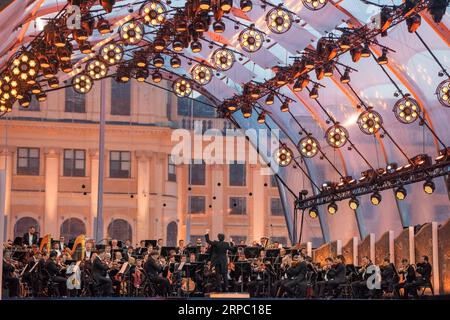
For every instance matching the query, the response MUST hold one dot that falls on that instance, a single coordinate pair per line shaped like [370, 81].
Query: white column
[391, 246]
[143, 196]
[435, 245]
[182, 200]
[309, 248]
[217, 211]
[355, 250]
[51, 192]
[93, 153]
[259, 204]
[372, 246]
[156, 217]
[6, 164]
[412, 250]
[338, 246]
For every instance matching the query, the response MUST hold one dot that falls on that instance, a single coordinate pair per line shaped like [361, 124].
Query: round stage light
[5, 106]
[175, 62]
[251, 40]
[283, 156]
[428, 187]
[332, 208]
[407, 110]
[131, 32]
[223, 59]
[82, 83]
[25, 67]
[400, 193]
[308, 147]
[158, 61]
[370, 122]
[111, 53]
[246, 5]
[153, 13]
[201, 74]
[314, 4]
[142, 74]
[375, 198]
[443, 93]
[336, 136]
[261, 118]
[182, 87]
[96, 69]
[156, 76]
[279, 20]
[313, 213]
[353, 203]
[8, 87]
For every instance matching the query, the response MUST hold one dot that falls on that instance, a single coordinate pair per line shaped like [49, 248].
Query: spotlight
[158, 61]
[278, 20]
[383, 59]
[200, 25]
[53, 83]
[8, 87]
[103, 26]
[159, 44]
[344, 42]
[400, 193]
[444, 154]
[314, 4]
[25, 100]
[251, 40]
[365, 52]
[219, 26]
[59, 40]
[182, 87]
[369, 122]
[428, 186]
[201, 74]
[345, 78]
[407, 110]
[297, 87]
[246, 5]
[107, 5]
[205, 4]
[281, 78]
[41, 97]
[305, 80]
[131, 32]
[391, 167]
[223, 59]
[49, 73]
[153, 12]
[413, 22]
[270, 99]
[231, 105]
[443, 93]
[175, 62]
[226, 5]
[421, 160]
[25, 66]
[82, 83]
[140, 59]
[196, 46]
[178, 44]
[385, 20]
[320, 73]
[309, 63]
[283, 156]
[336, 136]
[356, 54]
[437, 9]
[36, 89]
[247, 110]
[111, 53]
[66, 67]
[180, 23]
[96, 69]
[328, 70]
[353, 203]
[314, 93]
[285, 105]
[123, 74]
[313, 213]
[85, 47]
[142, 74]
[332, 208]
[5, 106]
[262, 118]
[156, 76]
[43, 61]
[255, 93]
[375, 198]
[308, 147]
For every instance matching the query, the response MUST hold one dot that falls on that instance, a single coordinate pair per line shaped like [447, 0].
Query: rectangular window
[273, 181]
[197, 174]
[28, 161]
[276, 209]
[120, 98]
[171, 170]
[74, 163]
[119, 164]
[237, 174]
[197, 204]
[238, 206]
[75, 102]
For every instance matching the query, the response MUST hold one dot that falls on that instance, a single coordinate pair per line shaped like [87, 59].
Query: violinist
[359, 287]
[387, 275]
[407, 275]
[327, 274]
[128, 253]
[9, 276]
[54, 271]
[337, 277]
[296, 278]
[153, 267]
[423, 276]
[99, 272]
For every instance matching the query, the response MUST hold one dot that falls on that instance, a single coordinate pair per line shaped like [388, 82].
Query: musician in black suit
[338, 274]
[387, 275]
[30, 237]
[9, 277]
[99, 273]
[423, 276]
[327, 273]
[297, 278]
[153, 268]
[54, 273]
[219, 261]
[359, 287]
[407, 277]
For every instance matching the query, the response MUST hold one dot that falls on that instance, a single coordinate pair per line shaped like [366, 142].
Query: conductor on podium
[219, 257]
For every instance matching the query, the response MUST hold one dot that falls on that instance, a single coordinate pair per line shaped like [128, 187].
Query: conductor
[219, 258]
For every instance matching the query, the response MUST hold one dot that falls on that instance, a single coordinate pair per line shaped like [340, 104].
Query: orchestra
[262, 269]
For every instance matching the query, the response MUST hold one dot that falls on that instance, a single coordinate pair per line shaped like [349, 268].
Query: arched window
[120, 229]
[22, 225]
[172, 234]
[72, 228]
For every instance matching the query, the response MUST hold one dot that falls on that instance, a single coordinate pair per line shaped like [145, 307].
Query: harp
[46, 242]
[79, 248]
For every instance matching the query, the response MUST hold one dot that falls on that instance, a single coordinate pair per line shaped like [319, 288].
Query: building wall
[147, 200]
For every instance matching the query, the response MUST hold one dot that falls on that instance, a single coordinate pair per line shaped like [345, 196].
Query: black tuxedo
[152, 269]
[99, 273]
[10, 280]
[219, 261]
[297, 277]
[26, 238]
[55, 276]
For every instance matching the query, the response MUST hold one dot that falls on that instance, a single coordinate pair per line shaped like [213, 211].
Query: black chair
[422, 288]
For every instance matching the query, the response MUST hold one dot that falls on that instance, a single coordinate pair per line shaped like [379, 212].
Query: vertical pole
[101, 160]
[2, 221]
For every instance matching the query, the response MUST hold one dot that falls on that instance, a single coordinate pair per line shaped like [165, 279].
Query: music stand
[191, 250]
[244, 267]
[252, 252]
[203, 257]
[165, 251]
[152, 242]
[188, 269]
[18, 241]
